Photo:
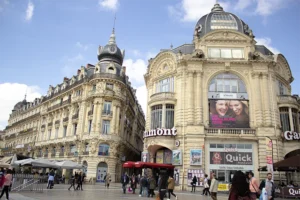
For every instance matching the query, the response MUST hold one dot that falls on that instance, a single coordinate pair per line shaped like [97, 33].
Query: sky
[43, 41]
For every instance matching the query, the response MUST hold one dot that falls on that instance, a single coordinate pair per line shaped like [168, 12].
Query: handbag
[257, 193]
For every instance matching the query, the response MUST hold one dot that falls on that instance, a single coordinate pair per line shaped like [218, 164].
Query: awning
[288, 164]
[6, 159]
[67, 164]
[153, 165]
[129, 164]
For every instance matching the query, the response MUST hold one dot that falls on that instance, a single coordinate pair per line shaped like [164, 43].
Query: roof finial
[171, 46]
[217, 7]
[112, 39]
[25, 96]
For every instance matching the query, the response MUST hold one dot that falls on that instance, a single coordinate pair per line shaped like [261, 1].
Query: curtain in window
[105, 127]
[156, 116]
[169, 116]
[284, 119]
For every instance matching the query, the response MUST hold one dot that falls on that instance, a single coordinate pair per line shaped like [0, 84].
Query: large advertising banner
[198, 173]
[231, 158]
[229, 113]
[177, 157]
[196, 157]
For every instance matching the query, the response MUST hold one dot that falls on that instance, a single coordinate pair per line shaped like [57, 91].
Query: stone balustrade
[229, 131]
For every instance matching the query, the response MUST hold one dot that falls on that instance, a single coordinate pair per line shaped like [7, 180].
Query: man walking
[214, 187]
[124, 182]
[268, 184]
[72, 183]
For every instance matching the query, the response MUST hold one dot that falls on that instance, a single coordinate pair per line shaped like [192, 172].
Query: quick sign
[231, 158]
[290, 135]
[160, 132]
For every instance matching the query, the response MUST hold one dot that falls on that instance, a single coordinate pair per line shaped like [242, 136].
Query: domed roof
[111, 51]
[219, 19]
[19, 105]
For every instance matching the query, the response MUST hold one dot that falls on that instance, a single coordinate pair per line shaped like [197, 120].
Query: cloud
[13, 93]
[243, 4]
[192, 10]
[82, 46]
[71, 64]
[3, 4]
[29, 11]
[268, 7]
[141, 94]
[267, 42]
[135, 69]
[109, 4]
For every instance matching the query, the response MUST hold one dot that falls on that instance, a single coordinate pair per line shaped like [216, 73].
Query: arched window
[103, 150]
[111, 70]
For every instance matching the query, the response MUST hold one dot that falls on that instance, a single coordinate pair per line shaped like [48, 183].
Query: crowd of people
[148, 184]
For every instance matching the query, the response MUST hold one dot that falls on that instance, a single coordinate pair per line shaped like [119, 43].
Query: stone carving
[198, 30]
[198, 53]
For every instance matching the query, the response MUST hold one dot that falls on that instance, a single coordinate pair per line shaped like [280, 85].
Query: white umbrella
[43, 163]
[23, 162]
[67, 164]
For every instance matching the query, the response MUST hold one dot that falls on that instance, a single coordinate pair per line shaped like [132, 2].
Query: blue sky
[42, 41]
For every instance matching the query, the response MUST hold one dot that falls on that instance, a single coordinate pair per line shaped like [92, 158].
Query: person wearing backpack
[268, 184]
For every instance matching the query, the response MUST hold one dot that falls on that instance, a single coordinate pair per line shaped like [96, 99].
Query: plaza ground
[98, 191]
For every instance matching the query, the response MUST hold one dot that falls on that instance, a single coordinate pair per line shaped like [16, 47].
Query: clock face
[112, 49]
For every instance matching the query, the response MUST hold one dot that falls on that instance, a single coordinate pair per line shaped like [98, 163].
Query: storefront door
[101, 172]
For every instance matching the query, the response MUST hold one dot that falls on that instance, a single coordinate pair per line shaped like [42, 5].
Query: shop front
[226, 159]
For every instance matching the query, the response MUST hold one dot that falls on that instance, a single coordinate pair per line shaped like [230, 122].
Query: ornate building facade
[216, 104]
[93, 118]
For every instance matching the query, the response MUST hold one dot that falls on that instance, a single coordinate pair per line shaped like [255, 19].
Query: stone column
[291, 119]
[257, 100]
[118, 120]
[114, 119]
[266, 101]
[198, 99]
[189, 96]
[70, 128]
[99, 116]
[95, 114]
[163, 120]
[82, 121]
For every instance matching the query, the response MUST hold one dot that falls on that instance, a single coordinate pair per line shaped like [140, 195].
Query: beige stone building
[93, 118]
[224, 96]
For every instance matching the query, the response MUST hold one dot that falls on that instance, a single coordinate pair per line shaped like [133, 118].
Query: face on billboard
[229, 114]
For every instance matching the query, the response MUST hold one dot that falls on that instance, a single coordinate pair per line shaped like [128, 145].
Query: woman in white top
[206, 186]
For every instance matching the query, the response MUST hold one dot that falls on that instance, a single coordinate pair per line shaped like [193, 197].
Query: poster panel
[229, 113]
[168, 156]
[145, 157]
[269, 157]
[196, 157]
[160, 156]
[198, 173]
[176, 176]
[177, 157]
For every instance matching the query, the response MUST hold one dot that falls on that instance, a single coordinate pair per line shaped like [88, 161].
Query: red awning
[153, 165]
[129, 164]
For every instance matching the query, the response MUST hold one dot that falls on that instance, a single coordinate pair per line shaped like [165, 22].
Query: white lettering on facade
[294, 192]
[230, 158]
[160, 132]
[289, 135]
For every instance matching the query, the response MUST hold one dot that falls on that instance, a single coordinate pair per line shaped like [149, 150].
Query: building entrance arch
[101, 171]
[161, 154]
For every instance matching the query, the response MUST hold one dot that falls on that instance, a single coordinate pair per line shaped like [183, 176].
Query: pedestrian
[124, 182]
[107, 180]
[79, 181]
[144, 185]
[240, 187]
[268, 184]
[7, 183]
[152, 186]
[72, 183]
[133, 181]
[193, 183]
[162, 186]
[214, 187]
[51, 179]
[206, 186]
[253, 186]
[171, 186]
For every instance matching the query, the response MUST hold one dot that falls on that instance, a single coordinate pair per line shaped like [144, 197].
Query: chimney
[78, 71]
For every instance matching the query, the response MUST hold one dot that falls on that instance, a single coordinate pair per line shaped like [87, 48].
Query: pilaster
[257, 98]
[266, 100]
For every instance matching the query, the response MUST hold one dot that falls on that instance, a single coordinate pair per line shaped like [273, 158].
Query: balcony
[66, 119]
[90, 113]
[230, 131]
[108, 76]
[107, 113]
[103, 153]
[26, 130]
[75, 116]
[288, 100]
[86, 153]
[50, 123]
[57, 122]
[162, 96]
